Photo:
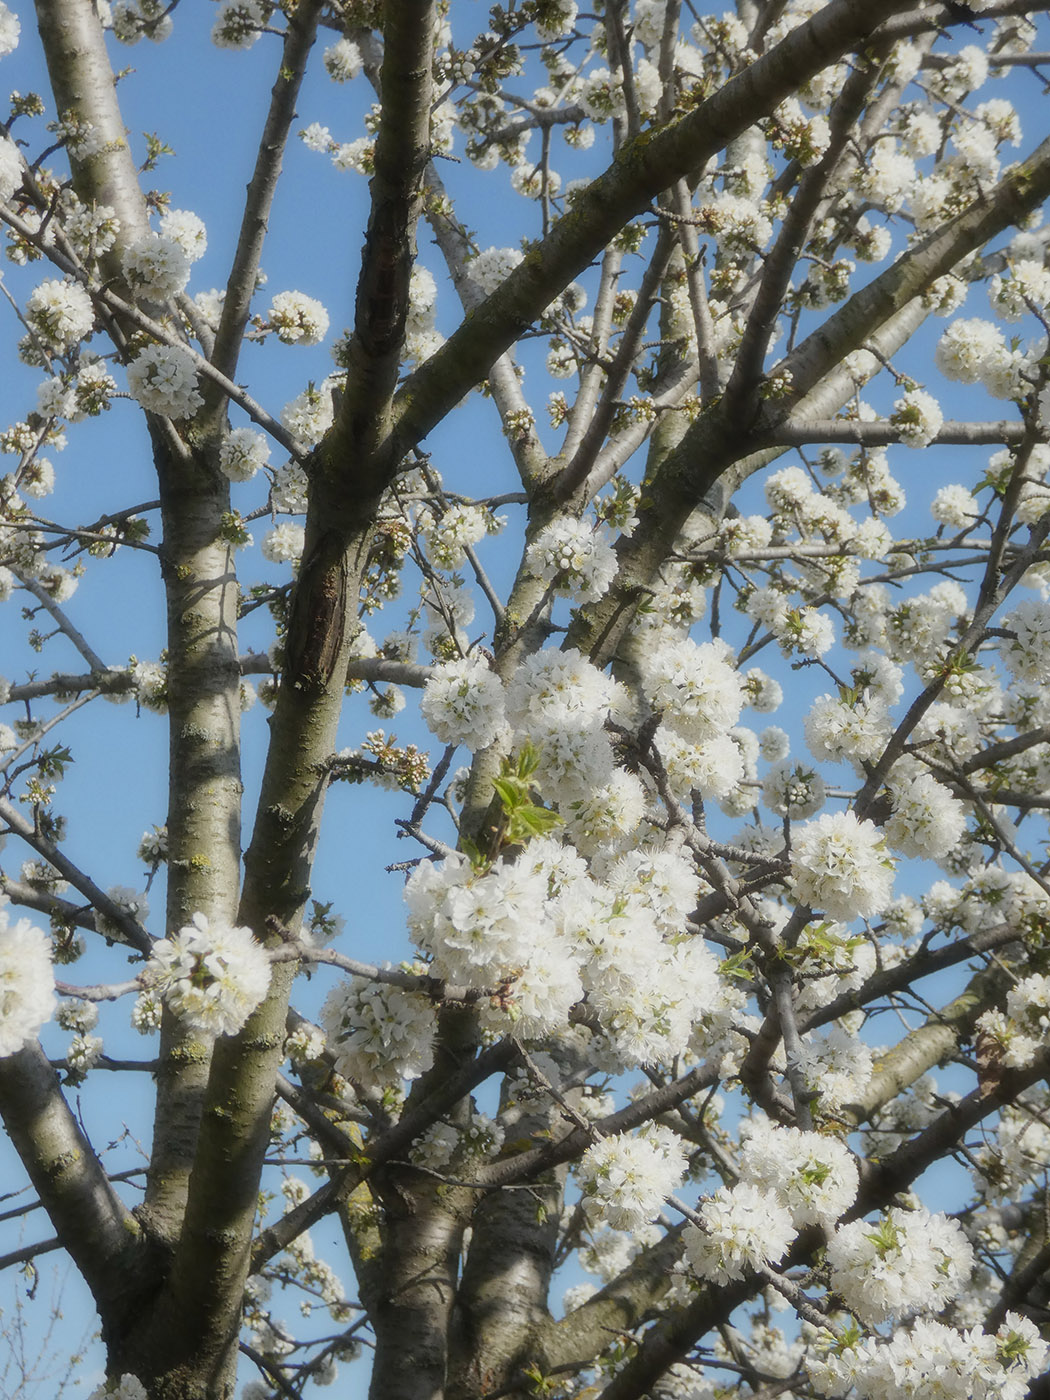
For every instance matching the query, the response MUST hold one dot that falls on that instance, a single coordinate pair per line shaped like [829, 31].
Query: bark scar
[318, 621]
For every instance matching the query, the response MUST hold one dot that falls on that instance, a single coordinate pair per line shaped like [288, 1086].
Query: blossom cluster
[211, 975]
[930, 1358]
[379, 1034]
[574, 559]
[537, 933]
[789, 1179]
[841, 865]
[164, 380]
[625, 1179]
[910, 1261]
[27, 985]
[298, 319]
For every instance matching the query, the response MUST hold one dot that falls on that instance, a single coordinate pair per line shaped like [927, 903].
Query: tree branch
[640, 171]
[100, 1234]
[212, 1256]
[82, 82]
[129, 928]
[731, 439]
[374, 355]
[801, 433]
[240, 285]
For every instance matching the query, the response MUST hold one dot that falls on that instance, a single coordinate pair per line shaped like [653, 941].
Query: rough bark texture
[100, 1234]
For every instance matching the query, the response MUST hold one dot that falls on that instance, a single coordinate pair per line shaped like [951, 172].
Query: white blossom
[774, 744]
[552, 688]
[10, 168]
[906, 1262]
[448, 536]
[571, 556]
[156, 266]
[82, 1055]
[837, 730]
[692, 684]
[1027, 652]
[77, 1015]
[801, 137]
[531, 181]
[744, 1228]
[975, 351]
[150, 683]
[242, 453]
[316, 137]
[61, 312]
[928, 821]
[745, 534]
[919, 418]
[240, 22]
[841, 865]
[477, 927]
[955, 506]
[164, 380]
[212, 978]
[128, 1387]
[463, 702]
[835, 1066]
[309, 415]
[807, 631]
[921, 134]
[1027, 285]
[965, 72]
[813, 1175]
[284, 544]
[659, 884]
[762, 692]
[133, 20]
[342, 61]
[931, 1359]
[625, 1178]
[56, 399]
[355, 155]
[187, 230]
[537, 996]
[298, 319]
[379, 1034]
[878, 677]
[290, 490]
[1028, 1005]
[27, 985]
[793, 790]
[10, 29]
[556, 17]
[888, 176]
[491, 267]
[601, 94]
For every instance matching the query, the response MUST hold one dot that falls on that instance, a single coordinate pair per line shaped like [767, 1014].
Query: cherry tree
[724, 798]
